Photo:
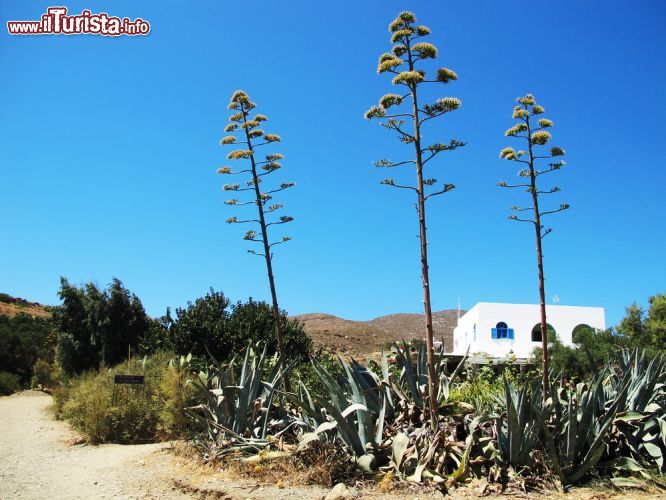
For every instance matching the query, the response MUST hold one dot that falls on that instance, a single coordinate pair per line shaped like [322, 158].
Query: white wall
[475, 327]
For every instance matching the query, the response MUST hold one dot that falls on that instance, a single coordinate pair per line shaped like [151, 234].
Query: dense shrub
[480, 386]
[590, 352]
[9, 383]
[24, 339]
[212, 324]
[44, 375]
[153, 411]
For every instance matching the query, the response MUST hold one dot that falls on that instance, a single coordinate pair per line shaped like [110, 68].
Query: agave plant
[640, 429]
[646, 381]
[355, 410]
[238, 404]
[412, 384]
[576, 423]
[516, 426]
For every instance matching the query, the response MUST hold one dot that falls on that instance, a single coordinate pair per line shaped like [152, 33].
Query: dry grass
[323, 464]
[34, 310]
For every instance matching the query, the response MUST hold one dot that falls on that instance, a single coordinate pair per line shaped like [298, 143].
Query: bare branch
[520, 209]
[283, 186]
[239, 203]
[228, 171]
[550, 191]
[437, 148]
[283, 240]
[384, 163]
[516, 218]
[505, 185]
[283, 220]
[391, 182]
[234, 220]
[563, 207]
[446, 189]
[553, 166]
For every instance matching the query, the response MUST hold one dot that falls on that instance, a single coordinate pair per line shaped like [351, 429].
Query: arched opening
[580, 331]
[536, 332]
[502, 331]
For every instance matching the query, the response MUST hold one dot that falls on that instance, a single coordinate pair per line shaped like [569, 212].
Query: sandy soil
[38, 460]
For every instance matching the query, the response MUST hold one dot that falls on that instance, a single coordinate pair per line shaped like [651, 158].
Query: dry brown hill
[11, 306]
[365, 337]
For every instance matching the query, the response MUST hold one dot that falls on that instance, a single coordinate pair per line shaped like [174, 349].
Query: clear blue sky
[109, 147]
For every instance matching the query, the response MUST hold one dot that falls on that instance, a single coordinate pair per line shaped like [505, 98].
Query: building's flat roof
[534, 305]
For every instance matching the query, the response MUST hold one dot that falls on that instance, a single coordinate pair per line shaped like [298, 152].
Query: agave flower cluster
[245, 130]
[406, 54]
[527, 129]
[532, 130]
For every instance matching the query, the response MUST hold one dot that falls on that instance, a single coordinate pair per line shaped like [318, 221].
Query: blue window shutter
[510, 333]
[494, 332]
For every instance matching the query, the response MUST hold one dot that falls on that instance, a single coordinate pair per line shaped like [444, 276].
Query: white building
[499, 330]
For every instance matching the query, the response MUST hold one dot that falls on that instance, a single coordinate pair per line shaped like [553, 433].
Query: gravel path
[39, 461]
[36, 460]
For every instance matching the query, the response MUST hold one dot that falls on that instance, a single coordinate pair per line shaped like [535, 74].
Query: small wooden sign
[128, 379]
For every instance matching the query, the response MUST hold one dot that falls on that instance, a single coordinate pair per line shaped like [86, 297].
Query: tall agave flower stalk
[405, 61]
[245, 129]
[531, 128]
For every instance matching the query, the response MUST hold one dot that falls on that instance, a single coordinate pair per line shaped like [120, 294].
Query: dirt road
[38, 461]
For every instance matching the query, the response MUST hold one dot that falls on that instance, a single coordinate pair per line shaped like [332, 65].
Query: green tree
[97, 326]
[531, 128]
[405, 61]
[75, 343]
[252, 137]
[633, 325]
[202, 325]
[253, 320]
[24, 340]
[212, 324]
[656, 322]
[646, 330]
